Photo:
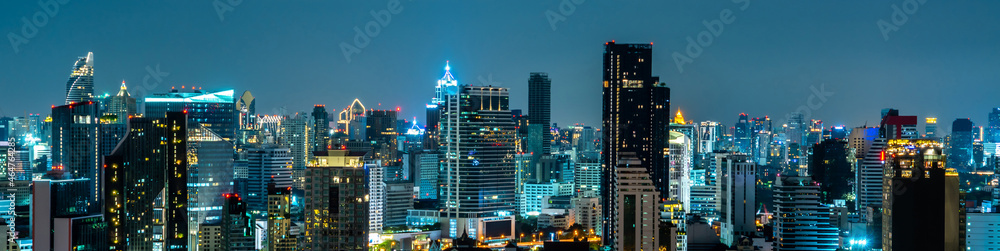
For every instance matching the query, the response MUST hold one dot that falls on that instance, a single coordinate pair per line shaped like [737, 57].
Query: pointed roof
[90, 59]
[447, 73]
[679, 119]
[123, 92]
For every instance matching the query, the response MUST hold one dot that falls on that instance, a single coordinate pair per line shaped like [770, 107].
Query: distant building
[540, 109]
[398, 199]
[960, 146]
[829, 166]
[80, 87]
[320, 129]
[587, 179]
[535, 194]
[76, 144]
[930, 127]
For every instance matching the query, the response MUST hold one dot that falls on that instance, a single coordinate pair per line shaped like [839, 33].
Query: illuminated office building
[960, 146]
[336, 202]
[148, 170]
[478, 176]
[76, 145]
[80, 87]
[296, 135]
[742, 133]
[381, 132]
[993, 128]
[320, 128]
[737, 200]
[213, 110]
[352, 121]
[636, 116]
[870, 173]
[267, 164]
[930, 127]
[587, 179]
[59, 205]
[921, 209]
[209, 174]
[279, 219]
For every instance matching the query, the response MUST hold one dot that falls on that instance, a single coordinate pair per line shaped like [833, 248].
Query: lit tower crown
[123, 92]
[442, 86]
[80, 87]
[679, 119]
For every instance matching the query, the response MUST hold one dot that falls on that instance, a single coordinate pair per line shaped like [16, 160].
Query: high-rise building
[930, 127]
[636, 116]
[209, 174]
[540, 109]
[680, 168]
[213, 110]
[76, 145]
[428, 175]
[320, 128]
[246, 107]
[737, 200]
[993, 128]
[829, 166]
[477, 183]
[279, 219]
[637, 201]
[59, 198]
[398, 199]
[352, 120]
[587, 179]
[296, 135]
[920, 207]
[236, 224]
[801, 221]
[869, 174]
[146, 175]
[119, 107]
[80, 87]
[960, 146]
[336, 202]
[742, 133]
[381, 131]
[268, 164]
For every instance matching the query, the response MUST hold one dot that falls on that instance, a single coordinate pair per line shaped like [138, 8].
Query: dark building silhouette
[829, 166]
[145, 177]
[540, 109]
[921, 204]
[960, 146]
[320, 128]
[636, 116]
[76, 144]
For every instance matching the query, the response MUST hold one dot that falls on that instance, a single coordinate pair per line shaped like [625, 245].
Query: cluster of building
[202, 170]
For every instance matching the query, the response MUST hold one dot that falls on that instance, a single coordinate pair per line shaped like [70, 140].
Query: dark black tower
[636, 117]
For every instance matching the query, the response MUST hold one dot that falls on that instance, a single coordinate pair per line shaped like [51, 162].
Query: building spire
[123, 92]
[679, 119]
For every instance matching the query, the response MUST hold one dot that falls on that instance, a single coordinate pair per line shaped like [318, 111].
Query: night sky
[943, 61]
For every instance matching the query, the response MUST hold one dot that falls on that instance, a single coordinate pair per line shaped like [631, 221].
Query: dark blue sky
[943, 61]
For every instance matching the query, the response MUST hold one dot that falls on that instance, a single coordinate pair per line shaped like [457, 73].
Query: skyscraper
[214, 110]
[80, 87]
[870, 173]
[477, 138]
[993, 128]
[209, 174]
[540, 109]
[296, 135]
[381, 131]
[320, 128]
[246, 107]
[147, 171]
[636, 116]
[930, 127]
[58, 197]
[268, 164]
[960, 146]
[829, 166]
[279, 218]
[76, 145]
[736, 180]
[637, 201]
[122, 106]
[921, 209]
[743, 133]
[337, 202]
[801, 221]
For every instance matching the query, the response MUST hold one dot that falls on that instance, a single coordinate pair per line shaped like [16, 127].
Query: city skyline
[851, 57]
